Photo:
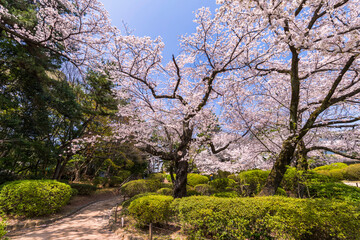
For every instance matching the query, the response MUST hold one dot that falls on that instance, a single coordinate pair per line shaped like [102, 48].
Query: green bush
[100, 181]
[168, 177]
[194, 179]
[34, 197]
[151, 209]
[232, 194]
[115, 181]
[136, 187]
[203, 189]
[267, 218]
[252, 181]
[331, 166]
[83, 189]
[280, 192]
[157, 176]
[234, 177]
[74, 192]
[352, 172]
[2, 226]
[127, 203]
[296, 181]
[334, 190]
[165, 191]
[221, 184]
[166, 185]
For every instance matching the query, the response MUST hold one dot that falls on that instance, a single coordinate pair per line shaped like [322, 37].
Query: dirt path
[90, 224]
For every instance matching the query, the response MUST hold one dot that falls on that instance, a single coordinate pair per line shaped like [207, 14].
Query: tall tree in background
[307, 77]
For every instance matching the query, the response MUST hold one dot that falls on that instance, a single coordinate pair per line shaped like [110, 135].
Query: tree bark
[302, 163]
[278, 170]
[181, 170]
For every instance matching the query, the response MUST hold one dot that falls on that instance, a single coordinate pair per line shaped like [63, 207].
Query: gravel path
[88, 224]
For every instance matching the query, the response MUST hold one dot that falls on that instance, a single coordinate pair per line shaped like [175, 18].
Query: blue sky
[166, 18]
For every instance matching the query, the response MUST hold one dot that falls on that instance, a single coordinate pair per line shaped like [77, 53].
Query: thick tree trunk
[302, 163]
[181, 170]
[278, 170]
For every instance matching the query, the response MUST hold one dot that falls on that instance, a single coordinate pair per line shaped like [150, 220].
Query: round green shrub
[151, 209]
[352, 172]
[83, 189]
[165, 191]
[136, 187]
[331, 166]
[74, 192]
[34, 197]
[194, 179]
[203, 189]
[157, 176]
[251, 181]
[338, 174]
[275, 217]
[127, 203]
[221, 184]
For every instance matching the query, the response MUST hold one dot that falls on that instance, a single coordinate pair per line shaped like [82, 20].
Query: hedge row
[340, 171]
[252, 218]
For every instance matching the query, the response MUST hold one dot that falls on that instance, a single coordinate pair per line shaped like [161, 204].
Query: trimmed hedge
[231, 194]
[267, 218]
[194, 179]
[136, 187]
[151, 209]
[34, 197]
[83, 189]
[157, 176]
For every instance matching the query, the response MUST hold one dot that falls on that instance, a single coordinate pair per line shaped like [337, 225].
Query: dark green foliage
[267, 218]
[100, 181]
[83, 189]
[231, 194]
[34, 197]
[151, 209]
[194, 179]
[204, 189]
[234, 177]
[136, 187]
[221, 184]
[352, 172]
[74, 192]
[165, 191]
[281, 192]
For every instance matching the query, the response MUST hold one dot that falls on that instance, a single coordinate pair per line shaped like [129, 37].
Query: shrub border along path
[21, 229]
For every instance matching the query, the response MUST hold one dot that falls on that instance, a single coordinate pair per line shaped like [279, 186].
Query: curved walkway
[89, 224]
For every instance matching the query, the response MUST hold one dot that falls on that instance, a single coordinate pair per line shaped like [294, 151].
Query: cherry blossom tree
[77, 30]
[173, 109]
[306, 79]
